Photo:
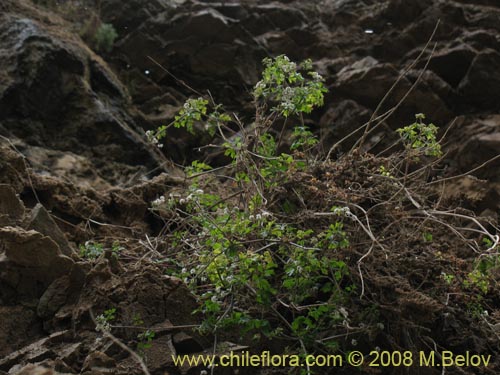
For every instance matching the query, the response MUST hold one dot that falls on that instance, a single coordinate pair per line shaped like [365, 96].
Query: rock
[452, 64]
[368, 81]
[12, 168]
[42, 222]
[43, 67]
[481, 39]
[125, 17]
[405, 11]
[35, 370]
[159, 355]
[69, 166]
[30, 262]
[18, 325]
[438, 85]
[96, 361]
[481, 85]
[185, 344]
[54, 297]
[70, 353]
[342, 119]
[11, 207]
[35, 352]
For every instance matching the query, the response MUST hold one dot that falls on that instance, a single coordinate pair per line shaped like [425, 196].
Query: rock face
[43, 293]
[11, 208]
[56, 94]
[36, 279]
[361, 47]
[72, 137]
[42, 222]
[30, 261]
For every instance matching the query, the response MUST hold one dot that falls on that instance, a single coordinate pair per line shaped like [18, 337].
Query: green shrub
[421, 137]
[266, 256]
[246, 259]
[105, 37]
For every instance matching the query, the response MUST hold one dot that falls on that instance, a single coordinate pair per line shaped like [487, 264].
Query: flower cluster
[191, 197]
[153, 138]
[341, 211]
[261, 216]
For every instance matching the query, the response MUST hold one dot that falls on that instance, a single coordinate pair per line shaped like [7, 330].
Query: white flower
[316, 76]
[342, 211]
[260, 85]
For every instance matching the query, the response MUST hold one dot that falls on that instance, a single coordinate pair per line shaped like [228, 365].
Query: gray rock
[368, 81]
[54, 297]
[473, 143]
[35, 370]
[18, 325]
[42, 67]
[452, 64]
[481, 85]
[35, 352]
[185, 343]
[160, 353]
[42, 222]
[30, 262]
[97, 360]
[11, 207]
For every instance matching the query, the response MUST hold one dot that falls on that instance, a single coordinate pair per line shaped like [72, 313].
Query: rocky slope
[75, 164]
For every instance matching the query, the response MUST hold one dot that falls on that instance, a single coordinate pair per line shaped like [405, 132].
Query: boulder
[96, 361]
[474, 141]
[481, 85]
[54, 297]
[342, 119]
[185, 344]
[30, 261]
[452, 64]
[18, 324]
[42, 222]
[42, 69]
[12, 169]
[36, 352]
[367, 81]
[36, 370]
[11, 207]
